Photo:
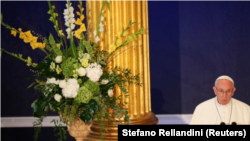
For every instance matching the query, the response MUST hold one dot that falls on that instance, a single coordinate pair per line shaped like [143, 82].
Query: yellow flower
[34, 39]
[27, 39]
[20, 29]
[78, 34]
[28, 34]
[61, 33]
[22, 35]
[58, 69]
[82, 28]
[82, 17]
[41, 45]
[78, 21]
[78, 13]
[85, 63]
[82, 9]
[13, 32]
[34, 45]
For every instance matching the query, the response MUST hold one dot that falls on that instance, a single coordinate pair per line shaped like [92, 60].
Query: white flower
[94, 72]
[104, 81]
[102, 18]
[97, 39]
[62, 84]
[101, 29]
[52, 66]
[69, 18]
[86, 56]
[57, 97]
[94, 33]
[81, 71]
[52, 80]
[110, 92]
[71, 89]
[58, 59]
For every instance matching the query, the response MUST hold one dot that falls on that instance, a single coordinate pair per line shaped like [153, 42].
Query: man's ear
[214, 90]
[234, 89]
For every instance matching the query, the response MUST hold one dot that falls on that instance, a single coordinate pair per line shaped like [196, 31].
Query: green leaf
[72, 46]
[39, 106]
[88, 111]
[140, 31]
[108, 5]
[31, 84]
[104, 88]
[54, 47]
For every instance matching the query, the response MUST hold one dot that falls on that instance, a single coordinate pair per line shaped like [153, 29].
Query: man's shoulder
[205, 103]
[240, 103]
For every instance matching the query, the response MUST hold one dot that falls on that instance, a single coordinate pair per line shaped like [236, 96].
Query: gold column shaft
[135, 58]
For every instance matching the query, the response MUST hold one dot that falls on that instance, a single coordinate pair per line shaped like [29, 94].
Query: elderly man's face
[224, 90]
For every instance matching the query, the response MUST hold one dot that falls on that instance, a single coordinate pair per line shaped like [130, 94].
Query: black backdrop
[191, 44]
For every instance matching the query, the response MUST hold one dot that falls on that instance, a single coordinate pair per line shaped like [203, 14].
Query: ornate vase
[79, 130]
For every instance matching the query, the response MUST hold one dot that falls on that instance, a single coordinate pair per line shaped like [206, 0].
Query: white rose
[110, 92]
[62, 84]
[58, 59]
[81, 71]
[104, 81]
[52, 80]
[57, 97]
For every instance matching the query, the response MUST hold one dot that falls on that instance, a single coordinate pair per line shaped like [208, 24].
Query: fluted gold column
[135, 57]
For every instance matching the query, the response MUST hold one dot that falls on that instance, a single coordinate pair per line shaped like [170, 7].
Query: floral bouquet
[74, 78]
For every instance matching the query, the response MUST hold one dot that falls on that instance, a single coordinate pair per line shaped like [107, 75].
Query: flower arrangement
[75, 80]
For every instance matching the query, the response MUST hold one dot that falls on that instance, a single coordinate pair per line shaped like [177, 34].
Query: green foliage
[37, 127]
[56, 50]
[92, 86]
[68, 67]
[84, 95]
[61, 131]
[88, 48]
[88, 111]
[39, 106]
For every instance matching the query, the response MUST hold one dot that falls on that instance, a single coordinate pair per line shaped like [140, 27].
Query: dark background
[191, 44]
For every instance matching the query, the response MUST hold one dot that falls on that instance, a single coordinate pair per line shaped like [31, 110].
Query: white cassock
[212, 113]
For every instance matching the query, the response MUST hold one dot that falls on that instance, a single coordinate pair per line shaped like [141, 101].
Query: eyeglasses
[224, 92]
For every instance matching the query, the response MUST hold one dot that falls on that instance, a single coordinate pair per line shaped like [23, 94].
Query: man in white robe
[222, 109]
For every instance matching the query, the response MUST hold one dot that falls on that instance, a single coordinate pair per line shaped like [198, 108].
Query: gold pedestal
[134, 56]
